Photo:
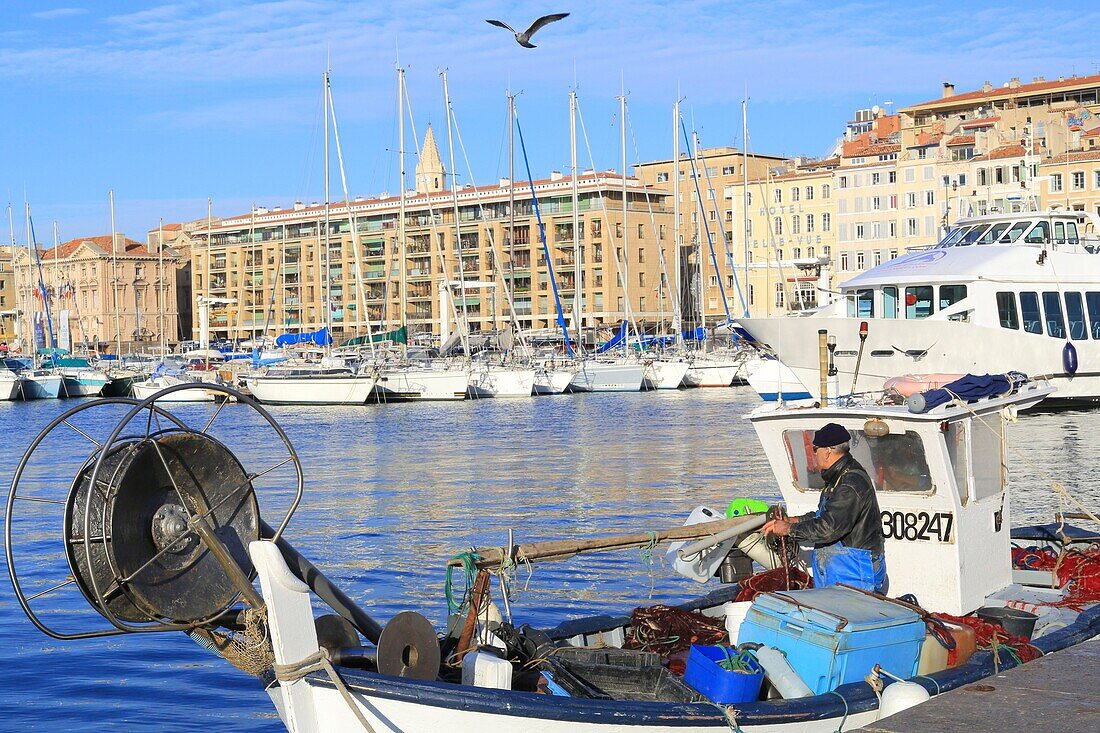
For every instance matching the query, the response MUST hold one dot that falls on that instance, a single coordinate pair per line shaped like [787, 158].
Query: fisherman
[846, 529]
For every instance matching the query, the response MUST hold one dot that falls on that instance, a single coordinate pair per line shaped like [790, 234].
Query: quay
[1054, 692]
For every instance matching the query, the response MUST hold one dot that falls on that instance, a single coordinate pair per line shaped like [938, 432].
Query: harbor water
[393, 491]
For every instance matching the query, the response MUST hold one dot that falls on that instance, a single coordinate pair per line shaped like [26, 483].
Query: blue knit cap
[831, 435]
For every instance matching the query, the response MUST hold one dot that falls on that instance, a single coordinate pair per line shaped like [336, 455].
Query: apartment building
[8, 310]
[270, 271]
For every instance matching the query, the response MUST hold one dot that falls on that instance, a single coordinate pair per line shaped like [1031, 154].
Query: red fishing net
[1078, 572]
[667, 630]
[773, 580]
[993, 637]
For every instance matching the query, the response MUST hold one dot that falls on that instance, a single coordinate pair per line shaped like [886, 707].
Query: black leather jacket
[848, 508]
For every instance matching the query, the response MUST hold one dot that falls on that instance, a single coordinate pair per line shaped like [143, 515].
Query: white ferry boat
[1005, 289]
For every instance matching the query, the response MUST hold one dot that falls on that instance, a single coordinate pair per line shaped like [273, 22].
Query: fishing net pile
[1078, 572]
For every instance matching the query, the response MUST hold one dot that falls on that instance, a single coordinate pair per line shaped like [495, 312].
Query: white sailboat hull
[710, 372]
[553, 381]
[83, 383]
[594, 376]
[422, 384]
[9, 387]
[148, 388]
[501, 382]
[664, 374]
[772, 379]
[319, 390]
[41, 386]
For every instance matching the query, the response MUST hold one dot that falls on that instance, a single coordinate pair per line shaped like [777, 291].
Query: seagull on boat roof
[524, 39]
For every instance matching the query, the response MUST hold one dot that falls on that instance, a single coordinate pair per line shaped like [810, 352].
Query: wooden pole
[550, 550]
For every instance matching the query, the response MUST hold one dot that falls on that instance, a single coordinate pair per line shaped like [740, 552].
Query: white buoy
[901, 696]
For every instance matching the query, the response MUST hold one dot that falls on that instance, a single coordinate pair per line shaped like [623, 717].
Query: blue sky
[169, 103]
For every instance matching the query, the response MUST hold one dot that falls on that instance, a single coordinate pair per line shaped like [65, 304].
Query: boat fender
[778, 671]
[1069, 358]
[900, 696]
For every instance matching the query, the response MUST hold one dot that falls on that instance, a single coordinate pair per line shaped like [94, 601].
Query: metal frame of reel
[103, 465]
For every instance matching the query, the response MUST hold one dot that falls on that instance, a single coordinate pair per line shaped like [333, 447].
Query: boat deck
[1055, 692]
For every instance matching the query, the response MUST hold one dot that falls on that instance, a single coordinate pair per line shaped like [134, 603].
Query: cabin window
[1059, 232]
[1006, 310]
[1039, 235]
[865, 303]
[918, 302]
[1075, 317]
[972, 235]
[1015, 232]
[956, 453]
[993, 234]
[1071, 233]
[895, 462]
[890, 302]
[1052, 307]
[986, 459]
[951, 294]
[1092, 302]
[1029, 310]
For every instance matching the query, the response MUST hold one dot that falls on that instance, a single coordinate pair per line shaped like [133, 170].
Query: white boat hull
[553, 381]
[85, 383]
[594, 376]
[707, 372]
[148, 388]
[9, 387]
[772, 380]
[898, 347]
[319, 390]
[501, 382]
[41, 386]
[421, 384]
[662, 374]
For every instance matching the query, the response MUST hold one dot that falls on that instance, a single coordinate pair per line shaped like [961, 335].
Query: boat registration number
[918, 526]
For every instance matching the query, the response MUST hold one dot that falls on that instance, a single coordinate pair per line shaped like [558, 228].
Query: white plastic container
[781, 674]
[735, 613]
[482, 669]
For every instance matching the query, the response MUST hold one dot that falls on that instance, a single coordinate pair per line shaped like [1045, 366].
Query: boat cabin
[941, 481]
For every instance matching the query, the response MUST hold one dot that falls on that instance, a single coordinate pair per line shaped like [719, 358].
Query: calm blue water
[392, 491]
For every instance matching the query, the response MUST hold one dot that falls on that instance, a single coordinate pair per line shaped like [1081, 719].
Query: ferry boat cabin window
[1052, 307]
[1071, 233]
[972, 235]
[918, 302]
[1029, 310]
[993, 233]
[1006, 310]
[1075, 316]
[1092, 302]
[895, 462]
[1015, 232]
[865, 303]
[889, 301]
[1040, 234]
[951, 294]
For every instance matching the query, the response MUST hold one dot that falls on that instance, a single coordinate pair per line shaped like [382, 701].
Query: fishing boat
[844, 658]
[1020, 289]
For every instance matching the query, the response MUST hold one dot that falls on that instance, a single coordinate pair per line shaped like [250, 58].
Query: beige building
[178, 239]
[8, 311]
[269, 270]
[100, 292]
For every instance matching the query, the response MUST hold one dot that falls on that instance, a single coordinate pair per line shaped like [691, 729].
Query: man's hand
[778, 527]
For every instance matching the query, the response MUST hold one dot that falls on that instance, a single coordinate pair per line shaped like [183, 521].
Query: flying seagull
[524, 39]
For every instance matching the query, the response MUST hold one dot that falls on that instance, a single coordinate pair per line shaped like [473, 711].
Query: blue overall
[838, 563]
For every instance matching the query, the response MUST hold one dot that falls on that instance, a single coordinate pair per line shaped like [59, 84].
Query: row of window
[1052, 320]
[876, 230]
[1037, 232]
[919, 301]
[1076, 181]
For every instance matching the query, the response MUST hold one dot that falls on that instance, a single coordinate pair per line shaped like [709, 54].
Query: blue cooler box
[836, 635]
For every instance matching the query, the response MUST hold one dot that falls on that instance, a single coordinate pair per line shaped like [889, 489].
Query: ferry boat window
[1075, 316]
[865, 303]
[1015, 232]
[918, 302]
[993, 233]
[1052, 307]
[895, 462]
[1092, 302]
[890, 301]
[1029, 310]
[972, 235]
[1039, 235]
[1071, 233]
[1059, 232]
[1006, 310]
[954, 235]
[951, 294]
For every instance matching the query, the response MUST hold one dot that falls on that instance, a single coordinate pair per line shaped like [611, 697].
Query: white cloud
[58, 13]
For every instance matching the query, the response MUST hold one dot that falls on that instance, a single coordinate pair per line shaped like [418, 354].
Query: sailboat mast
[511, 199]
[401, 207]
[160, 288]
[677, 322]
[699, 239]
[17, 321]
[328, 274]
[465, 326]
[578, 304]
[114, 276]
[745, 193]
[56, 286]
[205, 333]
[626, 230]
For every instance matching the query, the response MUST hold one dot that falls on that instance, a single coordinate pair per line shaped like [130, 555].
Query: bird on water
[524, 39]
